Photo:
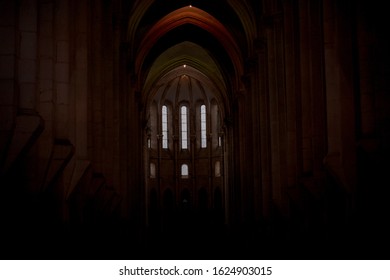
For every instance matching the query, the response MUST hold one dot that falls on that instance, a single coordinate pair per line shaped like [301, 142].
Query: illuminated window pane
[217, 169]
[203, 128]
[165, 127]
[152, 170]
[184, 127]
[184, 171]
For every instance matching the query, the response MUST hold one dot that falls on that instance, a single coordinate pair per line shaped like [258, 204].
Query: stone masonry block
[45, 89]
[7, 67]
[46, 29]
[7, 13]
[27, 96]
[7, 90]
[63, 51]
[61, 124]
[7, 115]
[81, 57]
[27, 70]
[62, 113]
[62, 72]
[62, 94]
[28, 45]
[28, 15]
[46, 48]
[46, 11]
[46, 111]
[46, 69]
[46, 96]
[7, 46]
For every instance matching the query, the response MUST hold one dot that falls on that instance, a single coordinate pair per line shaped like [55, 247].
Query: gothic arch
[190, 167]
[241, 9]
[197, 17]
[185, 53]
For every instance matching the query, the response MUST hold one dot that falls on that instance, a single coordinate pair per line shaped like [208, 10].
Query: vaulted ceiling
[213, 37]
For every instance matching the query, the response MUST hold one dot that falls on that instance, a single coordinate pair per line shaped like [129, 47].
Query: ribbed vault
[236, 15]
[194, 16]
[155, 27]
[193, 74]
[185, 53]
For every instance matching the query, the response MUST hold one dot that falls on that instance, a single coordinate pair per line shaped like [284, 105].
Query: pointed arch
[199, 18]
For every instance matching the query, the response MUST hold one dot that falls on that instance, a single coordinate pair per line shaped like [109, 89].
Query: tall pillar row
[8, 68]
[340, 94]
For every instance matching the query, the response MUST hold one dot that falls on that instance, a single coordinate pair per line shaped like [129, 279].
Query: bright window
[184, 127]
[184, 171]
[217, 169]
[203, 128]
[165, 127]
[152, 170]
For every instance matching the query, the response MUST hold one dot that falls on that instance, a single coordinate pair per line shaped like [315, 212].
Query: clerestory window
[184, 136]
[164, 123]
[184, 170]
[203, 126]
[217, 169]
[152, 170]
[184, 127]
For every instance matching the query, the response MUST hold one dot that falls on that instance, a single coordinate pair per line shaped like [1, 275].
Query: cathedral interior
[207, 129]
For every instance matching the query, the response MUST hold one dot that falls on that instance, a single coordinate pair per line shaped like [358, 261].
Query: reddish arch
[197, 17]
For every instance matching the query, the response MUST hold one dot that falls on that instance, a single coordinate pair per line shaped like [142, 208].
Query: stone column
[265, 137]
[293, 92]
[366, 68]
[254, 72]
[277, 107]
[27, 56]
[80, 71]
[19, 77]
[8, 93]
[312, 89]
[340, 160]
[246, 143]
[46, 96]
[340, 99]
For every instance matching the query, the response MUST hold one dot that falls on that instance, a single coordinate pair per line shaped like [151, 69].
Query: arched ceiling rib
[197, 36]
[185, 53]
[224, 29]
[196, 17]
[193, 74]
[247, 19]
[233, 14]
